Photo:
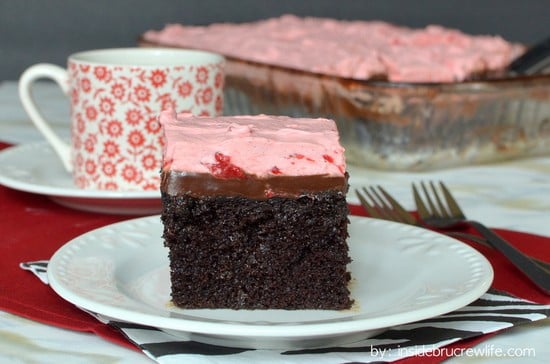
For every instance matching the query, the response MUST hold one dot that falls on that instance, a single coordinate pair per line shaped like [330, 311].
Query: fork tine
[382, 208]
[384, 205]
[381, 205]
[400, 211]
[451, 202]
[370, 209]
[441, 206]
[433, 208]
[420, 206]
[372, 206]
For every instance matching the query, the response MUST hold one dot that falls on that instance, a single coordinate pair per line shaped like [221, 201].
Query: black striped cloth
[492, 312]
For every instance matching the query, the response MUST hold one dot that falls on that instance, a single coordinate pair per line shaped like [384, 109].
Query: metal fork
[381, 205]
[443, 212]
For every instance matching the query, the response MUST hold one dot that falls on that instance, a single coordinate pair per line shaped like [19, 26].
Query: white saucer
[400, 274]
[36, 168]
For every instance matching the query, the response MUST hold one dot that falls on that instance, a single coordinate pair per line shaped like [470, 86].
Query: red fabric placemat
[32, 227]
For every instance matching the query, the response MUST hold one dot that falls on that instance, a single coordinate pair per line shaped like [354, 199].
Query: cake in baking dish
[350, 49]
[402, 99]
[254, 212]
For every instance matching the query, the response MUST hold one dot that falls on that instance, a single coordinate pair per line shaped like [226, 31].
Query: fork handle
[537, 275]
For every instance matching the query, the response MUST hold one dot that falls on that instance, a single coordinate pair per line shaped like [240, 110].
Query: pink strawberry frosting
[261, 145]
[350, 49]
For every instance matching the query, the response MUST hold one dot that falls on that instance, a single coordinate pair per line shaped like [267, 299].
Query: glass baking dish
[405, 126]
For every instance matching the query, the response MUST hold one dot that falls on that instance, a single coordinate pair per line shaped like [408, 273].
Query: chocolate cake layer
[240, 253]
[179, 184]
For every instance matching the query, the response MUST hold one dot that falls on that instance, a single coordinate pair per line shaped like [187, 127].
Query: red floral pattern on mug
[136, 139]
[202, 75]
[150, 162]
[110, 149]
[133, 116]
[108, 168]
[102, 73]
[91, 112]
[152, 125]
[185, 89]
[118, 91]
[117, 139]
[86, 85]
[158, 78]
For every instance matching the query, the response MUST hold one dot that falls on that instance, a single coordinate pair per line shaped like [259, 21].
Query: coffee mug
[115, 98]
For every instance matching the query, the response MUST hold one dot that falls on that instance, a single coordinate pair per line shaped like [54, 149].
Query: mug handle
[60, 76]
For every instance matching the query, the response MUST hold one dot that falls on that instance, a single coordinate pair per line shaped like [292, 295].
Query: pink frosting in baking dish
[351, 49]
[261, 145]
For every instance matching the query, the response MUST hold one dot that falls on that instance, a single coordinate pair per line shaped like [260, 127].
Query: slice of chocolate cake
[255, 213]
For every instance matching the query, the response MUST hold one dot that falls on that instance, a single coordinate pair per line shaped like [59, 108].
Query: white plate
[401, 274]
[36, 168]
